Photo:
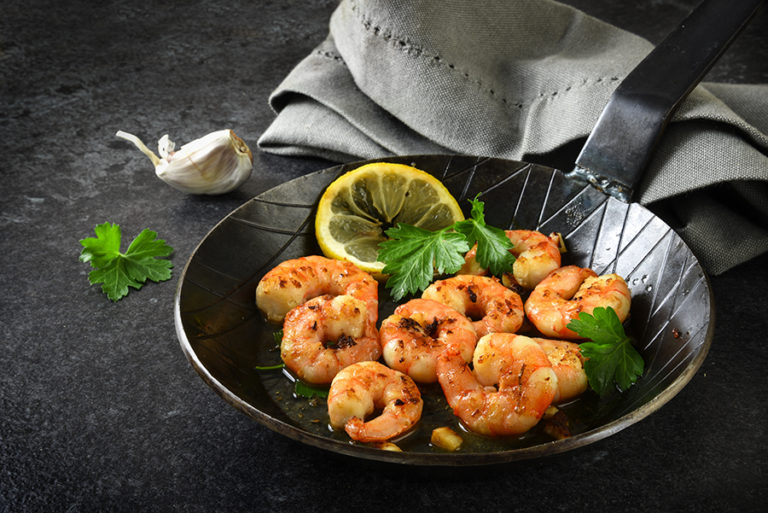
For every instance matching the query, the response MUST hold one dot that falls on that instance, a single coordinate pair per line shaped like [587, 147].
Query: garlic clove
[214, 164]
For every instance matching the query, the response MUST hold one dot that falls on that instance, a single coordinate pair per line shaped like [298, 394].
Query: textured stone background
[99, 409]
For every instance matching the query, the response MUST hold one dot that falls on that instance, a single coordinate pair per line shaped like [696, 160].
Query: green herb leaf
[610, 356]
[412, 254]
[117, 271]
[308, 391]
[493, 245]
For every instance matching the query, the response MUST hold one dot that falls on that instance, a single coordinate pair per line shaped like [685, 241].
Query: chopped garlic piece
[388, 446]
[446, 438]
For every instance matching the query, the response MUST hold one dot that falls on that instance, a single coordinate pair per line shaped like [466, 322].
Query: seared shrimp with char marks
[536, 256]
[518, 366]
[418, 331]
[294, 282]
[570, 290]
[568, 364]
[363, 388]
[325, 335]
[497, 308]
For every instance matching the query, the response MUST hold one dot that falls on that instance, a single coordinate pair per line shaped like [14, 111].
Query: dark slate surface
[100, 411]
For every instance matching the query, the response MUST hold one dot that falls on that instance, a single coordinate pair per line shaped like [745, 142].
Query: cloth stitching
[330, 55]
[410, 49]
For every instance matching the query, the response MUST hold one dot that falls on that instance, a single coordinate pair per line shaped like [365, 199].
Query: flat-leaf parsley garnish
[610, 356]
[117, 271]
[308, 390]
[493, 245]
[412, 255]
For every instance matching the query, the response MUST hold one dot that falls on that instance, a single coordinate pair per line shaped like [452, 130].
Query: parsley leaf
[412, 254]
[308, 391]
[117, 271]
[493, 245]
[610, 356]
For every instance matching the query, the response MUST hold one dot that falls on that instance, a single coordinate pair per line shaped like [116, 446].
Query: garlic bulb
[215, 164]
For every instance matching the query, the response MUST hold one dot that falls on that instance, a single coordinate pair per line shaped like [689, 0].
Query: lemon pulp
[359, 206]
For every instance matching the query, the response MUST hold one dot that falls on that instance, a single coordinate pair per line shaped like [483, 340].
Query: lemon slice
[359, 206]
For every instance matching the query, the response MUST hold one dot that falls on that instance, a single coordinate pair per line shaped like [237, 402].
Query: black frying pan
[224, 336]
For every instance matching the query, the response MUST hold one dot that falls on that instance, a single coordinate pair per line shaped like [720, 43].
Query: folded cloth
[514, 79]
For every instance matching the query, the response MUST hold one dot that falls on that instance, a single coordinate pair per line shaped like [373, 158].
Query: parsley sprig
[117, 271]
[412, 255]
[610, 356]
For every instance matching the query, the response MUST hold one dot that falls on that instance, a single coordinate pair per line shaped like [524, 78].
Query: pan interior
[225, 337]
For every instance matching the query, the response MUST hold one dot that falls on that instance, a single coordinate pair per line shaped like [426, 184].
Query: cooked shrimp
[293, 282]
[498, 308]
[536, 256]
[325, 335]
[363, 388]
[568, 364]
[526, 384]
[565, 292]
[418, 331]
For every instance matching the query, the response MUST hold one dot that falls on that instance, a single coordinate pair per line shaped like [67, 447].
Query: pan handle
[617, 151]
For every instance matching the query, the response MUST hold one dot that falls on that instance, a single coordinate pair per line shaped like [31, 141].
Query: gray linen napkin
[516, 78]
